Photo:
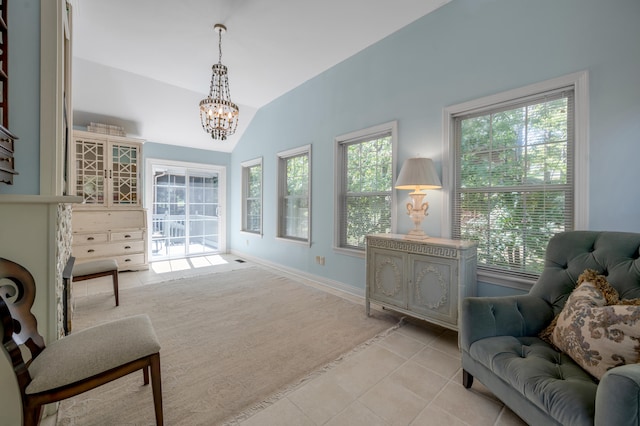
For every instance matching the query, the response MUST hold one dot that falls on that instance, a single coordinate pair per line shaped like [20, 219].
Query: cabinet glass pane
[124, 175]
[90, 167]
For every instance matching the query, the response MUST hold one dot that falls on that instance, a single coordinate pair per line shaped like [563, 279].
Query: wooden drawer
[6, 144]
[108, 249]
[125, 262]
[7, 175]
[137, 234]
[133, 261]
[90, 238]
[90, 220]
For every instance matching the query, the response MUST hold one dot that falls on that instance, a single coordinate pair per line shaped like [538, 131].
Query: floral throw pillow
[596, 329]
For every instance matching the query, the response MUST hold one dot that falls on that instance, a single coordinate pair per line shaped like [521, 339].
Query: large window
[252, 196]
[514, 180]
[294, 194]
[364, 186]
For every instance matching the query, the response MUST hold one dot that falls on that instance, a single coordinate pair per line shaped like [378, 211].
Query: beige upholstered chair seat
[94, 267]
[92, 351]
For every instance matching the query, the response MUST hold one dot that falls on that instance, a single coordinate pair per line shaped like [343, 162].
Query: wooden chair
[74, 364]
[98, 268]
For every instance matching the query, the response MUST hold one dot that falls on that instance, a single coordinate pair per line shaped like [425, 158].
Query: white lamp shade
[418, 173]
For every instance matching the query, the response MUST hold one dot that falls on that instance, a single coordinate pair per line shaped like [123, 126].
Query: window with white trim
[364, 185]
[252, 196]
[294, 194]
[514, 178]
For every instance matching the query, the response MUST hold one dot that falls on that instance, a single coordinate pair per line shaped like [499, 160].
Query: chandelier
[219, 116]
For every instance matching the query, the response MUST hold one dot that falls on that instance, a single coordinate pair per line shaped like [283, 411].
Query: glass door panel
[203, 214]
[184, 213]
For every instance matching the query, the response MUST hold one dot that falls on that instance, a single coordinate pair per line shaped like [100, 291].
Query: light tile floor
[410, 377]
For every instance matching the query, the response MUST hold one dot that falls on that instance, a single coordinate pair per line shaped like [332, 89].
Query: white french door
[185, 209]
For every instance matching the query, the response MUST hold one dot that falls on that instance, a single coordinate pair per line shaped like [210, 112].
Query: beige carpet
[230, 341]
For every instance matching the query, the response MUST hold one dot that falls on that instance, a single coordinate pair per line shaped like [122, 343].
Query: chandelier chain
[219, 46]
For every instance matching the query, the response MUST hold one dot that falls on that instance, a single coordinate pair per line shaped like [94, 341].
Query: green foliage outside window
[514, 184]
[296, 197]
[367, 192]
[254, 198]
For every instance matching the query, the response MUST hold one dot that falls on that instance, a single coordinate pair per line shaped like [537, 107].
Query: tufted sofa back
[615, 255]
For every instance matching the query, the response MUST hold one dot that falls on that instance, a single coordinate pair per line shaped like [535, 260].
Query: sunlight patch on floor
[165, 266]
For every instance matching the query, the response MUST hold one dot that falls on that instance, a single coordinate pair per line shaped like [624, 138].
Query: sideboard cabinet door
[433, 288]
[388, 282]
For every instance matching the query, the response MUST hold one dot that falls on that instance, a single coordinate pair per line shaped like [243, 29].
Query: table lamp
[417, 174]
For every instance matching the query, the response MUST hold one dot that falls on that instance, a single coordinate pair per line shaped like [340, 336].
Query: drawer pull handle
[127, 260]
[127, 247]
[90, 251]
[90, 238]
[127, 236]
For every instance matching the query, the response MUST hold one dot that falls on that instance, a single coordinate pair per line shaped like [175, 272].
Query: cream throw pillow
[597, 330]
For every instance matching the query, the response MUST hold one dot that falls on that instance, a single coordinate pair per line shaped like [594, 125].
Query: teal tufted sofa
[500, 347]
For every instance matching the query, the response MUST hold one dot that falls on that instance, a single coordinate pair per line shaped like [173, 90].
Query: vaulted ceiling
[270, 48]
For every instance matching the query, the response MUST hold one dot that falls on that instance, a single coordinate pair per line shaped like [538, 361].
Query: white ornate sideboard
[425, 279]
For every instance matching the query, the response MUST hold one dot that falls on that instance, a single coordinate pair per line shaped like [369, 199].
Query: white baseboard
[314, 279]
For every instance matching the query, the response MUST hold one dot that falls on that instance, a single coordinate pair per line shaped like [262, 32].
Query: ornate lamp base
[417, 211]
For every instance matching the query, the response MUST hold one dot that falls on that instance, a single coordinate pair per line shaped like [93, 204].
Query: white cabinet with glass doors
[105, 169]
[110, 223]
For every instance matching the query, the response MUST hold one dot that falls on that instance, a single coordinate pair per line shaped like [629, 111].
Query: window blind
[366, 185]
[514, 179]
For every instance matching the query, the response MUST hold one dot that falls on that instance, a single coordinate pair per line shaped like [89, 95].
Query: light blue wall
[464, 50]
[24, 94]
[177, 153]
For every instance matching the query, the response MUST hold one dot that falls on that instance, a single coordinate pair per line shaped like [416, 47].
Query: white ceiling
[270, 48]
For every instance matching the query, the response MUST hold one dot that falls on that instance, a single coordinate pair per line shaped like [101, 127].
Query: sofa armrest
[522, 315]
[618, 397]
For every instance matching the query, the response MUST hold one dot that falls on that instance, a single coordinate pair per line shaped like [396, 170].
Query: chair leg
[156, 385]
[145, 373]
[467, 379]
[115, 287]
[31, 416]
